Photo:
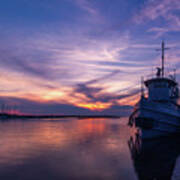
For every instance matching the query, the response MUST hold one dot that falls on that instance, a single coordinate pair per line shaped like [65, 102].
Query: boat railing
[170, 75]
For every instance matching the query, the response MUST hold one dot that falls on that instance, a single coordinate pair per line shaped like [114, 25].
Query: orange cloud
[98, 106]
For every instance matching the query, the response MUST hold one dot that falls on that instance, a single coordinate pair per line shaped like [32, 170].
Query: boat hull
[153, 121]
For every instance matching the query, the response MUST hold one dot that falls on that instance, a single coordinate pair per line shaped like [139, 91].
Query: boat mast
[163, 45]
[163, 48]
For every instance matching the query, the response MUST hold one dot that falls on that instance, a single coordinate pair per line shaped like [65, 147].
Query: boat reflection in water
[156, 159]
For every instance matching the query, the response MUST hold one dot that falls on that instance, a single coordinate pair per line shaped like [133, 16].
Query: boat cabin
[162, 89]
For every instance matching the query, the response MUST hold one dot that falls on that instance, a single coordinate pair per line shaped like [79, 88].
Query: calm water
[82, 149]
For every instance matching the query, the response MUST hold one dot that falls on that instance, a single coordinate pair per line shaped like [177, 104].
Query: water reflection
[156, 159]
[83, 149]
[65, 149]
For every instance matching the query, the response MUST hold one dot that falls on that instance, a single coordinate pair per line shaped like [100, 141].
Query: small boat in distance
[158, 114]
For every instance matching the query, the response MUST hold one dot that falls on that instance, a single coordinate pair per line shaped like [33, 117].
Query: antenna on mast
[163, 48]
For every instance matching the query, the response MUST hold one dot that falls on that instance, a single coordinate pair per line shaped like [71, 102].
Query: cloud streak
[165, 9]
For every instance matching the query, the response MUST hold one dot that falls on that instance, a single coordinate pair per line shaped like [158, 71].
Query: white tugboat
[158, 114]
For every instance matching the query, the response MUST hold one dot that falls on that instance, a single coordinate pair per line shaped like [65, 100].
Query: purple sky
[83, 56]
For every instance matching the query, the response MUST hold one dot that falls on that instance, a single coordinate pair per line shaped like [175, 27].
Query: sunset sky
[83, 56]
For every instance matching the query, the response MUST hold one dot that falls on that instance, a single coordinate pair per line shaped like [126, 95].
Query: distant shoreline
[14, 116]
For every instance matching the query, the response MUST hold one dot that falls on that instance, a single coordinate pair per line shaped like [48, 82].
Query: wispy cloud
[88, 6]
[155, 9]
[91, 12]
[165, 9]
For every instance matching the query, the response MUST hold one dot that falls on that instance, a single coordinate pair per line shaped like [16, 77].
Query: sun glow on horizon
[96, 106]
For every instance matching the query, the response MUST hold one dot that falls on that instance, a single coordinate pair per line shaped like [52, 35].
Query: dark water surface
[82, 149]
